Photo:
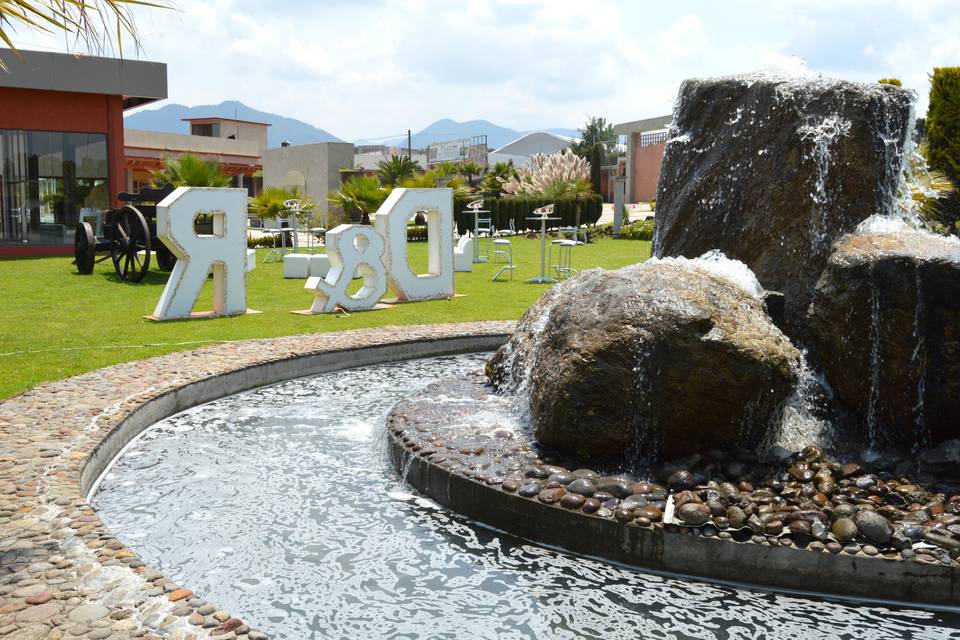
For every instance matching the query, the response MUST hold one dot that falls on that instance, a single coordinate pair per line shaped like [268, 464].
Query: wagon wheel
[84, 248]
[165, 258]
[131, 235]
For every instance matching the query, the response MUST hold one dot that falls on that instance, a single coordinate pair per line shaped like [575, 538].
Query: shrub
[894, 81]
[642, 230]
[416, 232]
[269, 242]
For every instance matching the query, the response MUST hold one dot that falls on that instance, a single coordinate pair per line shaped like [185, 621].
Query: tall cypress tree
[943, 121]
[943, 138]
[597, 153]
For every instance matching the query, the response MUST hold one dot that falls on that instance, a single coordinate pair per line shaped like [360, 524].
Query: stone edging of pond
[62, 572]
[468, 464]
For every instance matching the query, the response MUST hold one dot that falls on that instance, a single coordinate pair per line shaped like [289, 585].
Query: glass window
[48, 180]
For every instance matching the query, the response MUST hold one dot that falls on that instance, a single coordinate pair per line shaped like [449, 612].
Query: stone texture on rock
[886, 326]
[657, 356]
[772, 170]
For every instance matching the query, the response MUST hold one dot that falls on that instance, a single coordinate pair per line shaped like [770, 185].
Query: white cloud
[378, 67]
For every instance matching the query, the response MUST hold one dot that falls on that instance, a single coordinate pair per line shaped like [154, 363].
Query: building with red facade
[62, 142]
[646, 140]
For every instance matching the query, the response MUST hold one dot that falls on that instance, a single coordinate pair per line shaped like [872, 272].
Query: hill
[168, 119]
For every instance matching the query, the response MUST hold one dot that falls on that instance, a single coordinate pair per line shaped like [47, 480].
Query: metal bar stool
[564, 265]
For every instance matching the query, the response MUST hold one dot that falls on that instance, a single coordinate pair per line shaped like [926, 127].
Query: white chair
[512, 231]
[502, 250]
[288, 234]
[463, 254]
[563, 267]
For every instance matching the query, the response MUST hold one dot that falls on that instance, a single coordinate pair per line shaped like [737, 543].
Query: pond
[280, 506]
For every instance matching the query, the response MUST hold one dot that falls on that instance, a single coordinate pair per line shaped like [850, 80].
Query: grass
[57, 323]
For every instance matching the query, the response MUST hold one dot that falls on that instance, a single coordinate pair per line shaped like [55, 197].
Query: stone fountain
[790, 285]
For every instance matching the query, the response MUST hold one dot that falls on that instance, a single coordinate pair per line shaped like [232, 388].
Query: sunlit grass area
[57, 323]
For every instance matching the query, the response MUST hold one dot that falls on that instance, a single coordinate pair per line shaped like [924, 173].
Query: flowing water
[280, 506]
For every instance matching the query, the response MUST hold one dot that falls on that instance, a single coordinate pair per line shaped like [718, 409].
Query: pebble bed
[802, 499]
[63, 574]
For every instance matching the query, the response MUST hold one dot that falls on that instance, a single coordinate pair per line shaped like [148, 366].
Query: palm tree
[270, 202]
[396, 170]
[359, 197]
[99, 24]
[470, 169]
[190, 171]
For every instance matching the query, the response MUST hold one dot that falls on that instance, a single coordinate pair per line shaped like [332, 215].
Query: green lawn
[57, 323]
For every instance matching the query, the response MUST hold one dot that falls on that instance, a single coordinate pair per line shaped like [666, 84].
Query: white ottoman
[319, 265]
[296, 265]
[251, 259]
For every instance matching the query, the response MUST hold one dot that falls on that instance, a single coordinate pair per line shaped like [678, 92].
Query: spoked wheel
[165, 258]
[130, 245]
[84, 248]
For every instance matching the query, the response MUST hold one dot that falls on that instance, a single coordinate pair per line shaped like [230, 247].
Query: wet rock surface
[886, 325]
[653, 358]
[772, 170]
[804, 499]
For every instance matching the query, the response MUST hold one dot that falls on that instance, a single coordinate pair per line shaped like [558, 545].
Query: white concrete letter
[352, 249]
[225, 251]
[392, 218]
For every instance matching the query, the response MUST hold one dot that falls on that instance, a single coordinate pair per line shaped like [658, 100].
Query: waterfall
[919, 359]
[820, 136]
[800, 425]
[873, 430]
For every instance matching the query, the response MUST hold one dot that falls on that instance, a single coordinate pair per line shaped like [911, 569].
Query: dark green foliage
[397, 169]
[641, 230]
[416, 233]
[595, 130]
[943, 121]
[597, 154]
[943, 139]
[518, 209]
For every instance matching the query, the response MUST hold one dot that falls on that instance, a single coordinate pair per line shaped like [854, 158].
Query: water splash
[717, 263]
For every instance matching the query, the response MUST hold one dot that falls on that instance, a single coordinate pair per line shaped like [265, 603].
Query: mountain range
[168, 119]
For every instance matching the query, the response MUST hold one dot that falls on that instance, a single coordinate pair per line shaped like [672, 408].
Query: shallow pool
[280, 506]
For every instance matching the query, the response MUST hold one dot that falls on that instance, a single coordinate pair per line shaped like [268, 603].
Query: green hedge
[502, 210]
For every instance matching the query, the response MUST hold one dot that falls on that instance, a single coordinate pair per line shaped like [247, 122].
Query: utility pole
[409, 147]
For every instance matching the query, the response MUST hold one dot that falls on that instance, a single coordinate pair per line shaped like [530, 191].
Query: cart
[129, 237]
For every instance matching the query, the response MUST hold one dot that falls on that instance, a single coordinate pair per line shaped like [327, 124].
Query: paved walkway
[62, 573]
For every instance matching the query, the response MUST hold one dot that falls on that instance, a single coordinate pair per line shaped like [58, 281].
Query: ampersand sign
[353, 250]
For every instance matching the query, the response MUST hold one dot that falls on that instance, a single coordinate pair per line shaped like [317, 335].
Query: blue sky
[369, 68]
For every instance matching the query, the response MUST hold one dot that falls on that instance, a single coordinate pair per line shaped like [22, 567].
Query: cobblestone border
[485, 475]
[62, 572]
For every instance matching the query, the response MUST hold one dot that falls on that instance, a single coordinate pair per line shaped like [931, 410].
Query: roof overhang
[639, 126]
[138, 82]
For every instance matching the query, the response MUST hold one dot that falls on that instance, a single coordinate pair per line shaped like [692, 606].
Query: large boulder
[663, 357]
[772, 170]
[886, 326]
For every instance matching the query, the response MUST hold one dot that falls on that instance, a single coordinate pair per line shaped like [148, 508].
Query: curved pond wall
[63, 574]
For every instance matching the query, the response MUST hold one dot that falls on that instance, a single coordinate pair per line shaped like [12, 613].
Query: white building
[526, 145]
